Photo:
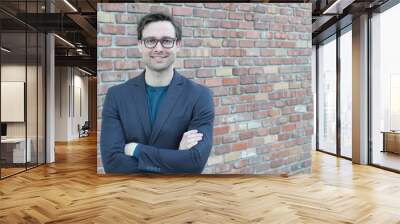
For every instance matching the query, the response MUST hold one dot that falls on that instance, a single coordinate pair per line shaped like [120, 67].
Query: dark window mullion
[338, 82]
[317, 97]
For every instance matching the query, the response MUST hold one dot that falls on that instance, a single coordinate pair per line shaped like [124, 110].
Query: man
[160, 121]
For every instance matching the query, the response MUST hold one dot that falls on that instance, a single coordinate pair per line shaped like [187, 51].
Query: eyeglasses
[165, 42]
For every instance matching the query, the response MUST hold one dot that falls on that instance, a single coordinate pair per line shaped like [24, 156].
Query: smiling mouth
[158, 57]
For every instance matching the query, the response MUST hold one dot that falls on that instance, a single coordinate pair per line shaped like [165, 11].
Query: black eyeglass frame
[158, 41]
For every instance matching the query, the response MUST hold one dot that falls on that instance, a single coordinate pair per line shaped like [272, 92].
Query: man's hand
[190, 139]
[130, 148]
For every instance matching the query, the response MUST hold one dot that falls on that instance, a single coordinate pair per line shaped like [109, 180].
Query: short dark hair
[155, 17]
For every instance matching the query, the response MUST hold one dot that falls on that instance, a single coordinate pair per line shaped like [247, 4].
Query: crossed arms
[191, 156]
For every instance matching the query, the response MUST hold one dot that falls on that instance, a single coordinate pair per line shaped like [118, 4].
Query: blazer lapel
[141, 103]
[174, 91]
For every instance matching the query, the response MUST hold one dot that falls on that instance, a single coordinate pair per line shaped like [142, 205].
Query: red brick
[103, 41]
[187, 32]
[201, 13]
[125, 41]
[222, 110]
[126, 64]
[246, 43]
[202, 33]
[240, 71]
[308, 116]
[235, 15]
[283, 137]
[250, 79]
[289, 127]
[126, 19]
[217, 140]
[261, 26]
[229, 24]
[192, 63]
[218, 14]
[192, 42]
[193, 22]
[182, 11]
[228, 62]
[280, 35]
[112, 76]
[213, 82]
[230, 81]
[230, 43]
[230, 100]
[113, 29]
[205, 73]
[275, 27]
[211, 63]
[246, 135]
[256, 71]
[161, 9]
[239, 146]
[213, 5]
[212, 23]
[245, 25]
[220, 33]
[113, 52]
[104, 65]
[253, 34]
[221, 130]
[245, 7]
[112, 7]
[267, 52]
[229, 139]
[236, 34]
[256, 142]
[240, 164]
[236, 52]
[262, 132]
[239, 108]
[249, 17]
[144, 8]
[218, 52]
[260, 114]
[247, 98]
[222, 149]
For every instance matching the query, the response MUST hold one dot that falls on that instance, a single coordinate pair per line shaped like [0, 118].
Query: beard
[159, 63]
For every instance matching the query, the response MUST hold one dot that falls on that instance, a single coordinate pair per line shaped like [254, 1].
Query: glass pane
[346, 94]
[386, 89]
[41, 98]
[13, 85]
[314, 91]
[327, 97]
[31, 100]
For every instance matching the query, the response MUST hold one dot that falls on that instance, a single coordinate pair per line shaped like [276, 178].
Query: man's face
[159, 58]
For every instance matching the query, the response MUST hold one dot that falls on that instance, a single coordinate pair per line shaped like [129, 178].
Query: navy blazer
[125, 119]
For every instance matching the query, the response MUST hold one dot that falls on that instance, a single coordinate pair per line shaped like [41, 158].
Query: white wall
[70, 84]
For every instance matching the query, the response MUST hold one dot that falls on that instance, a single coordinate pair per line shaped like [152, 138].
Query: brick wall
[257, 60]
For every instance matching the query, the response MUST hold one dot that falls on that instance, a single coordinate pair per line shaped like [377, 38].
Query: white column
[360, 90]
[50, 94]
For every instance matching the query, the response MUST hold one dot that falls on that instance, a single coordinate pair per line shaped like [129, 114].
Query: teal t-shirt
[155, 97]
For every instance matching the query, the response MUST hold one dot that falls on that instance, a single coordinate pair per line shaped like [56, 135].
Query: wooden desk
[16, 147]
[391, 141]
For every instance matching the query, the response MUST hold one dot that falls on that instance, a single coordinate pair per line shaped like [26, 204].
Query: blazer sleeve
[112, 139]
[163, 160]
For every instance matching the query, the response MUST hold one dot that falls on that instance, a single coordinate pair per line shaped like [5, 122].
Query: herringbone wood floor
[70, 191]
